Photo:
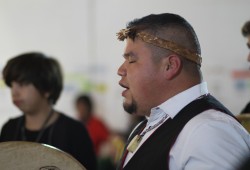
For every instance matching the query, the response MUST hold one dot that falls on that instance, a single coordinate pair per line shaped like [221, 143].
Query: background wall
[81, 34]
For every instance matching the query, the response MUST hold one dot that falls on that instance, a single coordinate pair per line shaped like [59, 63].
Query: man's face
[140, 77]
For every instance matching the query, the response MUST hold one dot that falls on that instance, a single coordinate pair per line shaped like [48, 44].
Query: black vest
[154, 152]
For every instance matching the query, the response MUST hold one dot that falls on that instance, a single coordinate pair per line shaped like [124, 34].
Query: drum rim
[47, 147]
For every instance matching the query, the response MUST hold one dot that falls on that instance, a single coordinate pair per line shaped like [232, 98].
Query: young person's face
[140, 77]
[27, 98]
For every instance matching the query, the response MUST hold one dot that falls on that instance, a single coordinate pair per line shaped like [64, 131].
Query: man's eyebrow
[130, 54]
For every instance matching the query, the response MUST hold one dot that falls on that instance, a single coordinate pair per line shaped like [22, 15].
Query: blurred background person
[98, 131]
[246, 33]
[36, 81]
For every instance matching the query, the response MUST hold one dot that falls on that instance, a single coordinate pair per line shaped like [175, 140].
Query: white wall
[81, 34]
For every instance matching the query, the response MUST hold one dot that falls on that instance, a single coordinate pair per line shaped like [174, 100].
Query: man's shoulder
[212, 125]
[211, 118]
[209, 133]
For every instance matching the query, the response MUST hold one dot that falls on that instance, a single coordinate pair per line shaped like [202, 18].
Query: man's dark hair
[35, 68]
[157, 24]
[246, 29]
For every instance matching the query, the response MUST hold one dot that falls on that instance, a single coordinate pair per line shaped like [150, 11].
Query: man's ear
[173, 66]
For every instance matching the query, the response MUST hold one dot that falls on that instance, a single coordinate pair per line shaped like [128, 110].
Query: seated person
[246, 33]
[36, 81]
[98, 131]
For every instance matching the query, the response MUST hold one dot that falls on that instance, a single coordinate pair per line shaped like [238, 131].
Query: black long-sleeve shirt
[65, 133]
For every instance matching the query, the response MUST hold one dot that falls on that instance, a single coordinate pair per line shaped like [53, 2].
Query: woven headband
[159, 42]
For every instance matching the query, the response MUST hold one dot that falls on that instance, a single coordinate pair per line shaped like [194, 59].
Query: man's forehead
[133, 44]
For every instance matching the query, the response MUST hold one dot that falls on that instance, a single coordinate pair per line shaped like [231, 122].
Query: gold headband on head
[159, 42]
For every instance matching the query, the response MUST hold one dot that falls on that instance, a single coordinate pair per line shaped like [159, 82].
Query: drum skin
[20, 155]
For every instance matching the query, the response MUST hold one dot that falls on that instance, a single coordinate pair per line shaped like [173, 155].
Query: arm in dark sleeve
[9, 131]
[83, 147]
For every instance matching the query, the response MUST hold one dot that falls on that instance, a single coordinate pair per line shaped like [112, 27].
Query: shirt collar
[173, 105]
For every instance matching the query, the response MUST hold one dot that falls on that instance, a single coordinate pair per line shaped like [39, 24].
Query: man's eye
[131, 59]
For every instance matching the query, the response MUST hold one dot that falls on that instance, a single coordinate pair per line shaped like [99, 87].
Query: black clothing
[65, 133]
[154, 152]
[246, 109]
[245, 165]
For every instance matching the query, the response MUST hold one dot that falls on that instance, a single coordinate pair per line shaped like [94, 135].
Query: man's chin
[129, 111]
[129, 108]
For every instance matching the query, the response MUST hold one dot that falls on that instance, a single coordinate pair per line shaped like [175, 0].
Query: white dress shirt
[211, 140]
